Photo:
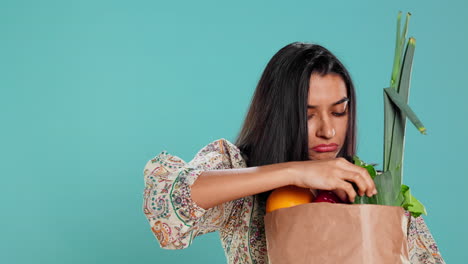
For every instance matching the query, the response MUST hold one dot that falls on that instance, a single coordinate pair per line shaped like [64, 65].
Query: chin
[323, 155]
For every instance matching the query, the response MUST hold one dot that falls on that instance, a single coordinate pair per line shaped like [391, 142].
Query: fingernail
[375, 192]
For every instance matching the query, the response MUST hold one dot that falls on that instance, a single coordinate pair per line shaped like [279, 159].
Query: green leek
[389, 185]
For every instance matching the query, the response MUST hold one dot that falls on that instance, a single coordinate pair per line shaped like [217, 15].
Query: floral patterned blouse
[175, 219]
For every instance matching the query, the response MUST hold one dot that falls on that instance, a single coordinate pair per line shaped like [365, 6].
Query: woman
[300, 130]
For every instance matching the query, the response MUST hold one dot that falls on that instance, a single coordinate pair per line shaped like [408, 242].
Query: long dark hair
[275, 127]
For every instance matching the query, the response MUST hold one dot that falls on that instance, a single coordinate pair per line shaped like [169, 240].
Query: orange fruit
[288, 196]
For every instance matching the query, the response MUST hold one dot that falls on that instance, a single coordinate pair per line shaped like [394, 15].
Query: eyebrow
[344, 99]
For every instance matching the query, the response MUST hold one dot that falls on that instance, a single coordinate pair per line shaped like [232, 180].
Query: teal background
[91, 90]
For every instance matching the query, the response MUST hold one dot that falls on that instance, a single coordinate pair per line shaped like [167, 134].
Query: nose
[325, 129]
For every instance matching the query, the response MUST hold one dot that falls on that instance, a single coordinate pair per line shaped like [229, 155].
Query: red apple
[327, 197]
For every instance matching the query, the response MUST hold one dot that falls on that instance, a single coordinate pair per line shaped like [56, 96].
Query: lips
[325, 147]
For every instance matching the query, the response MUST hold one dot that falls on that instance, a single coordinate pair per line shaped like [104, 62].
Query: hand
[333, 175]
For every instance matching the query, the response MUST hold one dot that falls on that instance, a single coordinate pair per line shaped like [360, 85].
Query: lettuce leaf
[387, 193]
[410, 203]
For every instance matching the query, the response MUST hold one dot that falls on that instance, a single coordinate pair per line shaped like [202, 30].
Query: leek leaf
[396, 59]
[389, 116]
[389, 185]
[397, 141]
[403, 107]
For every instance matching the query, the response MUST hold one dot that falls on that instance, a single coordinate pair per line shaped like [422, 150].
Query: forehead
[327, 89]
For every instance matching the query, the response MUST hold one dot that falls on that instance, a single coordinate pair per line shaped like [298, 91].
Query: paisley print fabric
[175, 219]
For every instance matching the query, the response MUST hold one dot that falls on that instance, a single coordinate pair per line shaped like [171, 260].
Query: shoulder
[220, 151]
[218, 154]
[221, 146]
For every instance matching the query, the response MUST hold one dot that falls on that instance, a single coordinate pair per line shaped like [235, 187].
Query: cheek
[344, 123]
[343, 127]
[310, 128]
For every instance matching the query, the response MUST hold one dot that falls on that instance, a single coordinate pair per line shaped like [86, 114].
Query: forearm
[218, 186]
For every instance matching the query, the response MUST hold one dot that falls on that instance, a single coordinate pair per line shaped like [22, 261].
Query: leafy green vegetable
[370, 168]
[386, 192]
[399, 102]
[412, 204]
[372, 172]
[389, 185]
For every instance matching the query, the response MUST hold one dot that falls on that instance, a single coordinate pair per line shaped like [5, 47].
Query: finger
[348, 188]
[363, 172]
[369, 181]
[358, 179]
[372, 189]
[341, 194]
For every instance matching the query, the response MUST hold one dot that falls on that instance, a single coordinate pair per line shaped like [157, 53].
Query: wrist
[291, 173]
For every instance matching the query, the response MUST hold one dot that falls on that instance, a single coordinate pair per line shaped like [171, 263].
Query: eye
[340, 114]
[310, 116]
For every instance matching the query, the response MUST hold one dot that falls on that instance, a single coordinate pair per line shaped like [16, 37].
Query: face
[327, 114]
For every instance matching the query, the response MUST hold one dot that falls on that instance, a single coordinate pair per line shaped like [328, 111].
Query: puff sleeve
[175, 219]
[421, 244]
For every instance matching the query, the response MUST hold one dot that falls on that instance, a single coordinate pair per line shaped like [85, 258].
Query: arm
[219, 186]
[175, 218]
[222, 189]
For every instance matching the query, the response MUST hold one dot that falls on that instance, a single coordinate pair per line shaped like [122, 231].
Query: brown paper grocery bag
[337, 233]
